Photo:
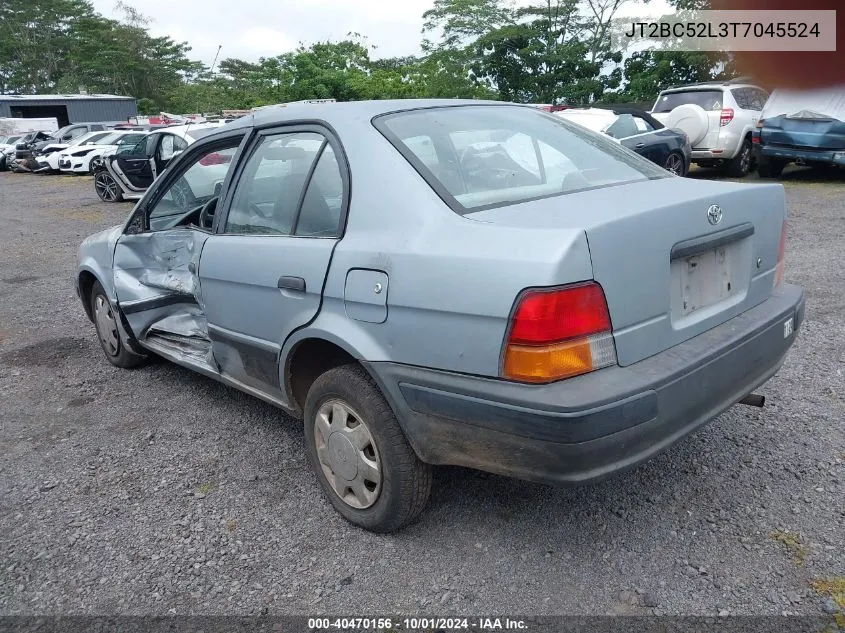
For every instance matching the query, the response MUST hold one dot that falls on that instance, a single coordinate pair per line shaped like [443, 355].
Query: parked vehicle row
[330, 260]
[127, 172]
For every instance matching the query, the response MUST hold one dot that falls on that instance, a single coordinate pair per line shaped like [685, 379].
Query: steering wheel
[206, 219]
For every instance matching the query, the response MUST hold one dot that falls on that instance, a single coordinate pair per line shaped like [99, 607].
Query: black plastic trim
[163, 301]
[696, 245]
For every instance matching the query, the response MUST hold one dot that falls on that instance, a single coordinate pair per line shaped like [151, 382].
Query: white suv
[718, 118]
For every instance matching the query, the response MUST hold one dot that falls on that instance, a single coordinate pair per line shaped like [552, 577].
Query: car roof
[595, 119]
[345, 111]
[715, 85]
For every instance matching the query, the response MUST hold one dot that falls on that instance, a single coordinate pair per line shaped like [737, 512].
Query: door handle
[291, 283]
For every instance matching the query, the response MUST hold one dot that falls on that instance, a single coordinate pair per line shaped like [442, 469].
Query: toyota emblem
[714, 214]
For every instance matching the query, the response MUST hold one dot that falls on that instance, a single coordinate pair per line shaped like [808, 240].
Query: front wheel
[363, 462]
[676, 164]
[106, 187]
[105, 321]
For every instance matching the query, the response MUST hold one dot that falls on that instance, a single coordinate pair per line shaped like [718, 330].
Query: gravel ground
[158, 491]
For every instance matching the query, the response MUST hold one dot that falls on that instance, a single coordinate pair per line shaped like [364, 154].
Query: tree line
[549, 51]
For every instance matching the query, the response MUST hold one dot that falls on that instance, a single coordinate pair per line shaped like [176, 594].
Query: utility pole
[211, 71]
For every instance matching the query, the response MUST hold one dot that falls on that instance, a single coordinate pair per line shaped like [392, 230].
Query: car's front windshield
[478, 157]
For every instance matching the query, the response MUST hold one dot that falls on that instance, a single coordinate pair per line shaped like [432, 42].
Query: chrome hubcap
[348, 455]
[106, 187]
[106, 327]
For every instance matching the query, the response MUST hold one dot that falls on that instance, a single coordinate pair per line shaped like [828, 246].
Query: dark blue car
[803, 128]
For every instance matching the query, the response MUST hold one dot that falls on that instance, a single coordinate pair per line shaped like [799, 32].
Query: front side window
[201, 182]
[495, 155]
[272, 188]
[144, 147]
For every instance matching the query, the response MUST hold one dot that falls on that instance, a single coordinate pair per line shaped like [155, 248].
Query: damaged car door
[156, 259]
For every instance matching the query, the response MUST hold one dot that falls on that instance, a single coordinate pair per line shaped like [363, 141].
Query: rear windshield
[479, 157]
[707, 99]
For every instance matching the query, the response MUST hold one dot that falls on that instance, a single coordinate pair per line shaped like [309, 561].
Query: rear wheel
[676, 164]
[108, 333]
[740, 165]
[363, 462]
[106, 187]
[769, 167]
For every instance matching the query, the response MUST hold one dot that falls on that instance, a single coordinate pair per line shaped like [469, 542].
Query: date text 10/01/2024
[416, 624]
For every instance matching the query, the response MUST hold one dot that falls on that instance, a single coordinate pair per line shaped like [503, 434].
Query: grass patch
[794, 543]
[205, 489]
[831, 588]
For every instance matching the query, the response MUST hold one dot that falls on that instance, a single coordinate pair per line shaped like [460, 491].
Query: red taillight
[755, 139]
[215, 159]
[780, 267]
[546, 316]
[726, 117]
[558, 334]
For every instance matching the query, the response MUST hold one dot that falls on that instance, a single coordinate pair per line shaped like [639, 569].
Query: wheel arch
[315, 349]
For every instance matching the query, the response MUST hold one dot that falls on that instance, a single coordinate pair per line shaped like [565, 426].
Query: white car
[48, 156]
[85, 159]
[7, 149]
[127, 173]
[718, 117]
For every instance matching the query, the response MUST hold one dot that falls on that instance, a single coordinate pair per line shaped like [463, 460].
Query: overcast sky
[249, 29]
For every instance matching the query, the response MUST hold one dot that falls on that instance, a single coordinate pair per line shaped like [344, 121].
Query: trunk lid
[807, 132]
[668, 273]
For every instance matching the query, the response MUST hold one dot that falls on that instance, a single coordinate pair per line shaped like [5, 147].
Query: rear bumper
[706, 154]
[592, 426]
[793, 154]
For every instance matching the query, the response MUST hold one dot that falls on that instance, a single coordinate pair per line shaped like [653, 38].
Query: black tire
[676, 164]
[405, 480]
[113, 345]
[107, 187]
[740, 165]
[770, 167]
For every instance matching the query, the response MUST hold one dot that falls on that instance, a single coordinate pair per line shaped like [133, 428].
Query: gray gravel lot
[160, 491]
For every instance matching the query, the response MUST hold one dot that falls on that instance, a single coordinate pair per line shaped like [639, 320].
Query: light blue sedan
[449, 282]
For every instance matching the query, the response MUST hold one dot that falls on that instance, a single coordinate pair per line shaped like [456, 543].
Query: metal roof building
[69, 108]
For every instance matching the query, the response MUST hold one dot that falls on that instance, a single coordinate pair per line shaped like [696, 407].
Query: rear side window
[489, 156]
[707, 99]
[623, 127]
[291, 185]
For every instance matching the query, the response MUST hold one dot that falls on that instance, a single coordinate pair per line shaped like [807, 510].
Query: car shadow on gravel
[49, 352]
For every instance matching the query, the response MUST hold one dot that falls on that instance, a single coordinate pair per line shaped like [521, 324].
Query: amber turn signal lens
[548, 362]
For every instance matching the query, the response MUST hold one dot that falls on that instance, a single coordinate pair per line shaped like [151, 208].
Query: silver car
[449, 282]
